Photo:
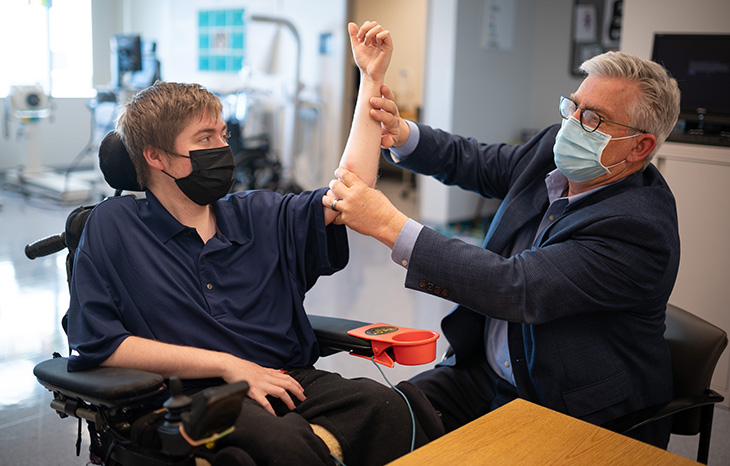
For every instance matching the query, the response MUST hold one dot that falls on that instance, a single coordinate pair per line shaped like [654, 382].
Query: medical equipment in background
[126, 57]
[292, 117]
[29, 105]
[134, 64]
[249, 116]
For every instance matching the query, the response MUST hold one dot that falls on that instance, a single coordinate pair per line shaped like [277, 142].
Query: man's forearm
[167, 360]
[362, 151]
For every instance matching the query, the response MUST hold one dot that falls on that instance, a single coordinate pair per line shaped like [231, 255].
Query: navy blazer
[585, 305]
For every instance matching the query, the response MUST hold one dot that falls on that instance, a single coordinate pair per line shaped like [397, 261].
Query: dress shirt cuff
[399, 154]
[403, 246]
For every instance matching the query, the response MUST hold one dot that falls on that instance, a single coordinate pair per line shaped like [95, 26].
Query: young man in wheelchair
[209, 288]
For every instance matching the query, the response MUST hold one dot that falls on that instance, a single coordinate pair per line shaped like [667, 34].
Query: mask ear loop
[624, 137]
[176, 155]
[611, 138]
[614, 165]
[163, 171]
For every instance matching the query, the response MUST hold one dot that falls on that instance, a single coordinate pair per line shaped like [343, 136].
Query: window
[46, 42]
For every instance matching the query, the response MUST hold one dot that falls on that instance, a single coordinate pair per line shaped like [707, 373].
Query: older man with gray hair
[564, 304]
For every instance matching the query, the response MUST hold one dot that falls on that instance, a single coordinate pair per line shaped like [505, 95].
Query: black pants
[464, 392]
[371, 422]
[467, 391]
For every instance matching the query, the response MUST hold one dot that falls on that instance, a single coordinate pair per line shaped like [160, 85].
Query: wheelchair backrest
[116, 165]
[120, 174]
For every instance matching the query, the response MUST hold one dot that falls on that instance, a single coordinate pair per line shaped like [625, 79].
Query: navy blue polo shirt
[138, 271]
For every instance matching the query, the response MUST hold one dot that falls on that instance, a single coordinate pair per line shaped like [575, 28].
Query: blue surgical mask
[578, 152]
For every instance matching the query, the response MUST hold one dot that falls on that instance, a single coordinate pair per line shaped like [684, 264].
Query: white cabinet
[699, 177]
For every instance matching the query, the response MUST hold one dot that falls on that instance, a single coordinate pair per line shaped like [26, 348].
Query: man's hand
[263, 382]
[372, 48]
[189, 362]
[395, 130]
[364, 209]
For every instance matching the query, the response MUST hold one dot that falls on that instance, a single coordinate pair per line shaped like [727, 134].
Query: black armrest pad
[644, 416]
[106, 386]
[331, 332]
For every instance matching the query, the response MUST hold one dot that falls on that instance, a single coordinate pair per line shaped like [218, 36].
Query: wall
[406, 20]
[491, 95]
[642, 18]
[551, 76]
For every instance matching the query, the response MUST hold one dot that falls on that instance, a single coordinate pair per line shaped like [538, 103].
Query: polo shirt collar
[165, 226]
[159, 220]
[225, 214]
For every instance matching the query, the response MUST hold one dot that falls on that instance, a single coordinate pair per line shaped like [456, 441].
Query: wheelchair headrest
[116, 165]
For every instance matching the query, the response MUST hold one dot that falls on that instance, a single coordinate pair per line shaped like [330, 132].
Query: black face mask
[212, 175]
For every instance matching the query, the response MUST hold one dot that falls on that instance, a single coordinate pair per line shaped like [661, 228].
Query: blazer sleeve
[487, 169]
[587, 262]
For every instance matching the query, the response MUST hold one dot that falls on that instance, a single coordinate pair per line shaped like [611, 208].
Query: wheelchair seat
[139, 418]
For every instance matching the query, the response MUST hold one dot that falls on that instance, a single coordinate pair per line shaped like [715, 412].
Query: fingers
[348, 185]
[386, 118]
[371, 33]
[332, 205]
[387, 93]
[387, 104]
[264, 382]
[295, 388]
[260, 398]
[352, 29]
[368, 32]
[278, 385]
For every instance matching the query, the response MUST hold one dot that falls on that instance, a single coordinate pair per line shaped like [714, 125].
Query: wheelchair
[139, 418]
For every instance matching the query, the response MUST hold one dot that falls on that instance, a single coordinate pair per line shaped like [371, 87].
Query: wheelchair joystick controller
[178, 408]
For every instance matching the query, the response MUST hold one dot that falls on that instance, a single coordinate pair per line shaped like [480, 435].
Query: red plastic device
[411, 346]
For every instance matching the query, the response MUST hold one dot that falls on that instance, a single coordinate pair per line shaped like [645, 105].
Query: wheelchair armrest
[631, 421]
[102, 386]
[331, 333]
[384, 343]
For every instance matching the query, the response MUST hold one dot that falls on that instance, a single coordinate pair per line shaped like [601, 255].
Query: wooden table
[527, 434]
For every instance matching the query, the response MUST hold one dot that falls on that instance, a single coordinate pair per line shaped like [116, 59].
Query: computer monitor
[126, 56]
[701, 65]
[150, 71]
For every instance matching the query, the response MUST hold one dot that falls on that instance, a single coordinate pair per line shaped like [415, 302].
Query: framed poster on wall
[596, 28]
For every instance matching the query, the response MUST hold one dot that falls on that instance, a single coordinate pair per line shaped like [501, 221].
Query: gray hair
[657, 108]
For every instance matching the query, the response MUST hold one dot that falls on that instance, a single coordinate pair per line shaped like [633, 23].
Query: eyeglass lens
[589, 119]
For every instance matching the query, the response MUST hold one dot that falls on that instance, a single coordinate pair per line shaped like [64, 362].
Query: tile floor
[34, 296]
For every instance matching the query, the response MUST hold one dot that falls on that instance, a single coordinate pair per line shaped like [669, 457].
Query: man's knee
[427, 417]
[269, 439]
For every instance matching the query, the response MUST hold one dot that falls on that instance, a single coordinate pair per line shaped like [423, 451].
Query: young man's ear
[645, 145]
[154, 156]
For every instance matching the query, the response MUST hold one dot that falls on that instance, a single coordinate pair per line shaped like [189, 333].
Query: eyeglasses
[589, 120]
